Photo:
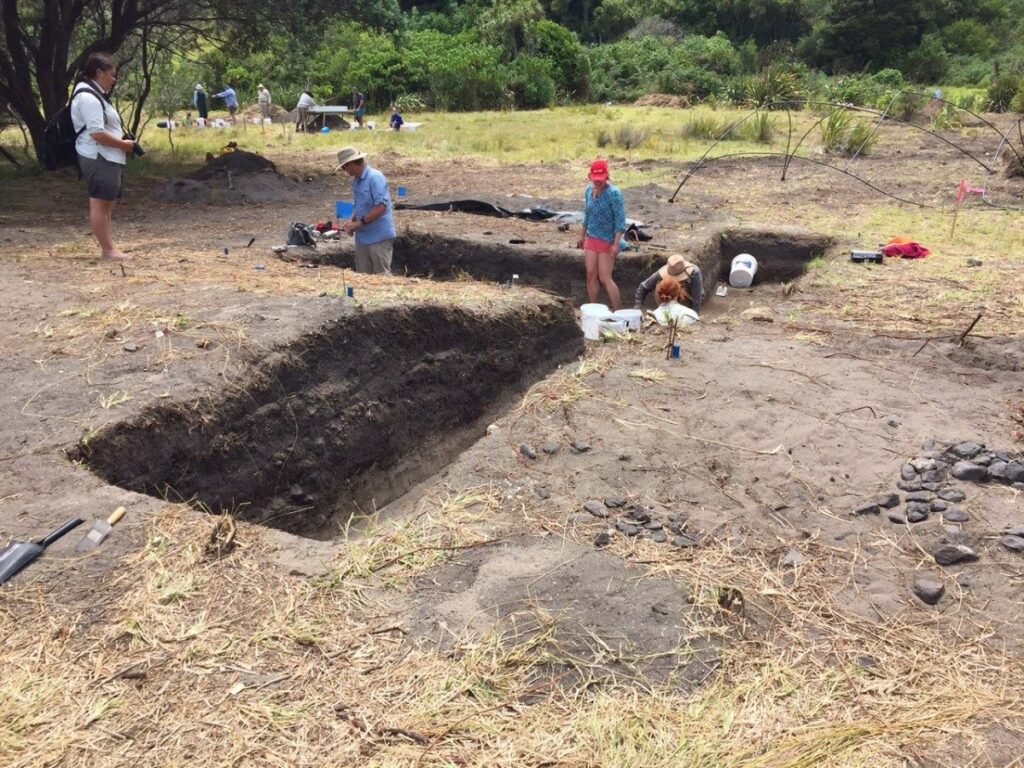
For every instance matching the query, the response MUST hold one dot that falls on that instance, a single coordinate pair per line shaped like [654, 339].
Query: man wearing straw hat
[372, 223]
[685, 272]
[263, 98]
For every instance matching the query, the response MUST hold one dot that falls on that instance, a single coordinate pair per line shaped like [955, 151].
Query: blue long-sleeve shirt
[605, 215]
[228, 94]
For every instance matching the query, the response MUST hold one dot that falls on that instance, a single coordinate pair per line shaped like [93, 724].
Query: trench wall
[343, 419]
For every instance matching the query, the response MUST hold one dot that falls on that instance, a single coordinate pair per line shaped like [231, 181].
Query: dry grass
[232, 662]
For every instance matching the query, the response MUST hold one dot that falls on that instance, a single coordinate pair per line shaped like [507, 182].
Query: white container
[610, 324]
[744, 267]
[590, 314]
[632, 318]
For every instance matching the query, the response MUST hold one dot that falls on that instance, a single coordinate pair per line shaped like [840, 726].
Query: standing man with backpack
[101, 146]
[199, 101]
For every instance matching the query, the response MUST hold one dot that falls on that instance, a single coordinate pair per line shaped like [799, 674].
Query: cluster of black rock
[633, 520]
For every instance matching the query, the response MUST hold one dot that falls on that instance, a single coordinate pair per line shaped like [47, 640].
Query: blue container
[676, 351]
[349, 292]
[342, 211]
[325, 129]
[402, 192]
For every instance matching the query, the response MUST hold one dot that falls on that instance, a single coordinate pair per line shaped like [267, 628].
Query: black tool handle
[52, 536]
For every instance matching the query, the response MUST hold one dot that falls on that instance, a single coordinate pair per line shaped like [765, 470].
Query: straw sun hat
[677, 268]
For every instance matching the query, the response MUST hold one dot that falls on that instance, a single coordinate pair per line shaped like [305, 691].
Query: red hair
[669, 289]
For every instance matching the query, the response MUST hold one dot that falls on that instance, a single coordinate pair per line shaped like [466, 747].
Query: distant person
[358, 106]
[670, 308]
[200, 103]
[396, 121]
[305, 102]
[230, 100]
[188, 121]
[101, 146]
[604, 223]
[263, 98]
[372, 222]
[687, 273]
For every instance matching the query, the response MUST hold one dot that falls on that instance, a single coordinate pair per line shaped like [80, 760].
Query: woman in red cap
[604, 223]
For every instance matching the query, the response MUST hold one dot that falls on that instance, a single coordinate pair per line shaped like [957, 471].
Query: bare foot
[116, 256]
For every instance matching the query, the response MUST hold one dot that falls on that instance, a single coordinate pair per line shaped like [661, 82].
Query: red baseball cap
[599, 170]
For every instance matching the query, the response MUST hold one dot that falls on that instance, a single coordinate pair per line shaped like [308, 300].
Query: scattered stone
[296, 493]
[1018, 486]
[969, 471]
[964, 580]
[897, 518]
[1013, 543]
[938, 505]
[660, 608]
[627, 528]
[929, 590]
[684, 540]
[542, 493]
[653, 525]
[974, 263]
[1017, 530]
[933, 487]
[958, 553]
[527, 451]
[581, 519]
[953, 532]
[614, 502]
[580, 447]
[602, 540]
[920, 496]
[596, 508]
[983, 459]
[966, 450]
[917, 513]
[758, 314]
[131, 346]
[550, 448]
[1015, 472]
[888, 501]
[922, 465]
[952, 494]
[893, 423]
[625, 457]
[907, 472]
[956, 515]
[909, 485]
[997, 470]
[933, 476]
[659, 537]
[867, 509]
[641, 515]
[792, 558]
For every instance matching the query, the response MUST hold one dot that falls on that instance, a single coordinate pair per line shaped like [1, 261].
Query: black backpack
[59, 136]
[300, 234]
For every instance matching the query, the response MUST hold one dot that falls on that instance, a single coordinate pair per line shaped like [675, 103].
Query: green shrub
[776, 84]
[852, 89]
[624, 137]
[888, 78]
[904, 106]
[530, 82]
[570, 68]
[928, 62]
[834, 129]
[709, 128]
[1002, 91]
[1017, 102]
[860, 139]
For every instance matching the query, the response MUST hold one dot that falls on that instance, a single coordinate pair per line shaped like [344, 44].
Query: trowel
[99, 531]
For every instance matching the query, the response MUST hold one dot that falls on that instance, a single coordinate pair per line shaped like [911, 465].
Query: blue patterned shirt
[604, 216]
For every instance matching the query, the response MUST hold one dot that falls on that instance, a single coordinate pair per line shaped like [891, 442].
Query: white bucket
[744, 267]
[631, 317]
[590, 314]
[610, 324]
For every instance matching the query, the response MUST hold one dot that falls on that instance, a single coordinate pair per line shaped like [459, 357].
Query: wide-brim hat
[259, 87]
[199, 86]
[599, 170]
[677, 268]
[349, 155]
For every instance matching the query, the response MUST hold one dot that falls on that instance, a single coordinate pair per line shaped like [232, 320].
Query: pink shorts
[596, 244]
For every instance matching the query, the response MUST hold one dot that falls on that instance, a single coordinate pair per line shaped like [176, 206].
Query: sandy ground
[761, 441]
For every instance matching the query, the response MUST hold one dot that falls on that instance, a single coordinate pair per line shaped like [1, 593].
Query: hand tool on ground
[99, 531]
[18, 554]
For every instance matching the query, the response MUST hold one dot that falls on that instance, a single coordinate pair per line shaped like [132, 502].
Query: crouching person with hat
[372, 222]
[686, 273]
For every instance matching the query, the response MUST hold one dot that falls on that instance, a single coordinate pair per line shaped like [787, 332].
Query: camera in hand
[137, 149]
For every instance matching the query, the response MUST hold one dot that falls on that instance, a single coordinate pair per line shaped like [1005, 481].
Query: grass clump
[845, 136]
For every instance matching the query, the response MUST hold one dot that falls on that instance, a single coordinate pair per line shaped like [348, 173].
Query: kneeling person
[685, 272]
[372, 222]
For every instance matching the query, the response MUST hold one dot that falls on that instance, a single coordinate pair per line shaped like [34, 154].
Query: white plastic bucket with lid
[744, 267]
[590, 314]
[610, 324]
[632, 317]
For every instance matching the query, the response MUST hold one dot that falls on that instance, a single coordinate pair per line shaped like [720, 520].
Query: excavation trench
[344, 419]
[351, 417]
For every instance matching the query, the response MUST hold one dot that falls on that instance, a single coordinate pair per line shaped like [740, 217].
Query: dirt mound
[237, 163]
[234, 178]
[662, 100]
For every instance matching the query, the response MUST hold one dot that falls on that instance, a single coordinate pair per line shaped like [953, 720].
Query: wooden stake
[970, 328]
